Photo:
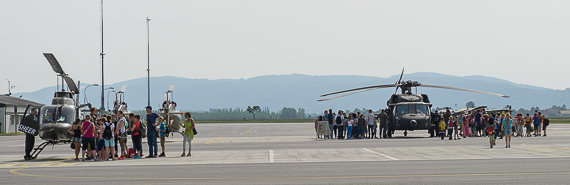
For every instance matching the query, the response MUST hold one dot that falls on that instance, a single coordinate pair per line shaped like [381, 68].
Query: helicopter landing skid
[39, 149]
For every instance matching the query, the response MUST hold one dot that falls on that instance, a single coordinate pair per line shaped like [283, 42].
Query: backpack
[108, 133]
[142, 130]
[338, 120]
[131, 153]
[546, 121]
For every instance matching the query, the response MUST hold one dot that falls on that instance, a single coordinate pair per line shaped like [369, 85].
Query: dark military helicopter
[54, 120]
[408, 110]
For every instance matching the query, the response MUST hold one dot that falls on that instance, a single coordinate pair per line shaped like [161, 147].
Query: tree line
[250, 113]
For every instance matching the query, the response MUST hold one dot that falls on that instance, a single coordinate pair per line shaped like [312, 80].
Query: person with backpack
[528, 125]
[189, 129]
[136, 129]
[108, 130]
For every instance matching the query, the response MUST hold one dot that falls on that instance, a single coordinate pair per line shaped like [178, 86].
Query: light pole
[85, 92]
[102, 66]
[148, 59]
[112, 91]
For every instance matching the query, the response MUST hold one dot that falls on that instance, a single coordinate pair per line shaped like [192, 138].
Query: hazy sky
[521, 41]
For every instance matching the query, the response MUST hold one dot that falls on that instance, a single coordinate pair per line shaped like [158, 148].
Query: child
[442, 129]
[450, 128]
[490, 129]
[162, 135]
[456, 128]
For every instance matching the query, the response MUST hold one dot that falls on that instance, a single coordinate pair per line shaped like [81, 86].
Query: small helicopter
[169, 112]
[406, 111]
[119, 103]
[53, 121]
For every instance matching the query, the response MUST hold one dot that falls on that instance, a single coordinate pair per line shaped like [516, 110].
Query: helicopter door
[30, 122]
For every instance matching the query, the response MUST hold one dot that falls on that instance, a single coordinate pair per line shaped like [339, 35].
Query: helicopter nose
[414, 123]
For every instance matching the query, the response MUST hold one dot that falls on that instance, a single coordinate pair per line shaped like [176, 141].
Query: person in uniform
[30, 139]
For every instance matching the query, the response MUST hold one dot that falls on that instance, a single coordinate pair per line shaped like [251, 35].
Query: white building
[11, 112]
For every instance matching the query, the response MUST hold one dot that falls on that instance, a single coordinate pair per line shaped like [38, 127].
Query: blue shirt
[508, 123]
[150, 120]
[536, 120]
[162, 129]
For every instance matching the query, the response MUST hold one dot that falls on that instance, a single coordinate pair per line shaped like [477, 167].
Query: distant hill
[302, 91]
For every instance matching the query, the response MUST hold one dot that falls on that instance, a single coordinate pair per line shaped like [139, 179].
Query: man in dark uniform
[435, 117]
[30, 139]
[383, 117]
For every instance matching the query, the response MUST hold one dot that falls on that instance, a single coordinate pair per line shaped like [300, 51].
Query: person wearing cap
[151, 132]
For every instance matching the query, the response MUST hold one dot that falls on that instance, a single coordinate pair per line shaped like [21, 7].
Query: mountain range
[302, 91]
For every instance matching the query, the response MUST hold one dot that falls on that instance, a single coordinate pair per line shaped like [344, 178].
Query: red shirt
[136, 131]
[89, 131]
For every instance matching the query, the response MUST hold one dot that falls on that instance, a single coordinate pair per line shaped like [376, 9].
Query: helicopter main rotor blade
[362, 88]
[347, 94]
[399, 81]
[71, 84]
[401, 75]
[53, 62]
[461, 89]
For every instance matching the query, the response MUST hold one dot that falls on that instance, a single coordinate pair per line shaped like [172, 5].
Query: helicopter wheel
[405, 133]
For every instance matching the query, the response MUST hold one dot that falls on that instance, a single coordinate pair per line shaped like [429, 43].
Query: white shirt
[123, 129]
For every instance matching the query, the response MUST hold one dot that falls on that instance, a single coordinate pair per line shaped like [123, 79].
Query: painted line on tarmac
[271, 157]
[213, 140]
[17, 172]
[381, 154]
[250, 129]
[543, 146]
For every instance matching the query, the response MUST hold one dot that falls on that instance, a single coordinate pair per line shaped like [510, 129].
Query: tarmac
[289, 153]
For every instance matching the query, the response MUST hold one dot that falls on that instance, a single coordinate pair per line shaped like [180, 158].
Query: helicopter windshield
[53, 114]
[412, 109]
[402, 109]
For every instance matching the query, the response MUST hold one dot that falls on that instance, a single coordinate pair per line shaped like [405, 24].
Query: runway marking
[271, 157]
[213, 140]
[543, 146]
[381, 154]
[16, 172]
[250, 129]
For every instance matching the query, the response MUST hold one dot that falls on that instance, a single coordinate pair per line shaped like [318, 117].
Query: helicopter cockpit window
[57, 115]
[422, 109]
[402, 109]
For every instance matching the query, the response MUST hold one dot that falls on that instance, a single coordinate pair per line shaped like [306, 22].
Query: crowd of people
[353, 125]
[497, 125]
[104, 137]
